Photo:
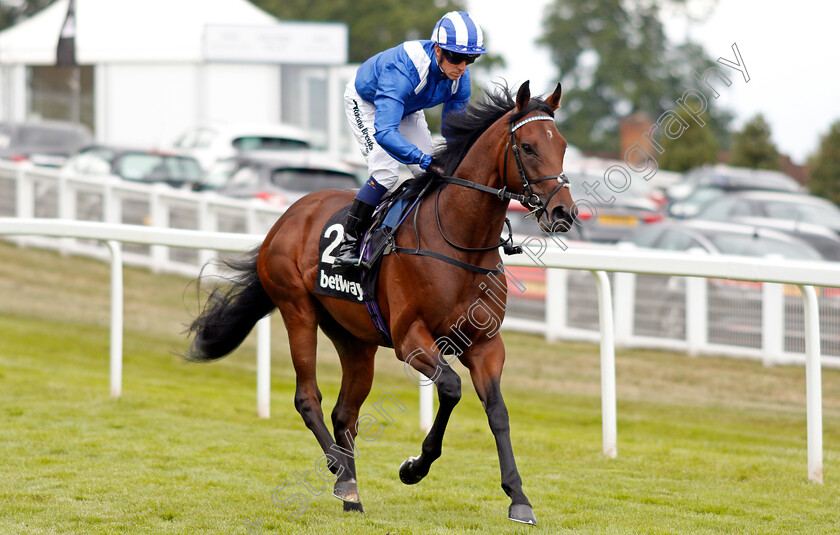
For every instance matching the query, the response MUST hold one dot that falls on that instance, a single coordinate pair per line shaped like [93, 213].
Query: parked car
[697, 200]
[774, 205]
[824, 240]
[280, 178]
[213, 142]
[604, 216]
[730, 178]
[140, 165]
[596, 169]
[47, 143]
[734, 306]
[607, 216]
[715, 237]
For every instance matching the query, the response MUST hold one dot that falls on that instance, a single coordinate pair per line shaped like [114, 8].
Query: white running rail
[806, 275]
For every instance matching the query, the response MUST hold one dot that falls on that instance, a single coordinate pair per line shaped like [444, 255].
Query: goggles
[455, 58]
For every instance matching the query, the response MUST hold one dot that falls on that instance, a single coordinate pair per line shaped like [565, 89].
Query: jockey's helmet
[458, 32]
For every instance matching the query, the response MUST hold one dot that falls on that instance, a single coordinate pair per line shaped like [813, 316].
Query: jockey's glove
[436, 167]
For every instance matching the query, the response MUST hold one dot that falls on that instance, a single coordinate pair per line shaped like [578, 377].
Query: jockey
[385, 104]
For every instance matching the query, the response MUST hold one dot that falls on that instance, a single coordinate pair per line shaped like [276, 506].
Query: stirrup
[354, 261]
[358, 219]
[341, 264]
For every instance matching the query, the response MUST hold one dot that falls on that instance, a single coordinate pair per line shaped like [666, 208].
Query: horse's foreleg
[418, 350]
[485, 365]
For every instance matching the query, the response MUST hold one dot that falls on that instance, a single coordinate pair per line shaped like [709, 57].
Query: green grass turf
[705, 445]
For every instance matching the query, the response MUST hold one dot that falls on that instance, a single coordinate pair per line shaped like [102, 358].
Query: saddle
[359, 285]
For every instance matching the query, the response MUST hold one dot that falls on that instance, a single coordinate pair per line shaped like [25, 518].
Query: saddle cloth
[346, 285]
[355, 285]
[359, 285]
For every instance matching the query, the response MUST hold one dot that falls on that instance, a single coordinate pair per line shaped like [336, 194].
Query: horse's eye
[528, 149]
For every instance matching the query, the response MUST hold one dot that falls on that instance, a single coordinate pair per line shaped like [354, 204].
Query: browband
[529, 119]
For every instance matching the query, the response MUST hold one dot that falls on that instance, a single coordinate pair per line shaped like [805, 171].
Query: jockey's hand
[436, 167]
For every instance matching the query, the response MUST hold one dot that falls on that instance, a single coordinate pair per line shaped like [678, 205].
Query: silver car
[280, 178]
[47, 143]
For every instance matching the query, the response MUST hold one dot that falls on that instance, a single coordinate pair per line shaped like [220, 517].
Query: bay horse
[495, 148]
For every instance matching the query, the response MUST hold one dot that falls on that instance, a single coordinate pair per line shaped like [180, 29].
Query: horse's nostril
[558, 213]
[562, 218]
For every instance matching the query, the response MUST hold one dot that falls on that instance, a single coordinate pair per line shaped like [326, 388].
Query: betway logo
[340, 284]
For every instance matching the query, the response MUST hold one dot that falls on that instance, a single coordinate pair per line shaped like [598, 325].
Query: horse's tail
[230, 312]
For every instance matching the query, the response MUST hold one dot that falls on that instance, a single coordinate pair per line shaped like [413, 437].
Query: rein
[527, 198]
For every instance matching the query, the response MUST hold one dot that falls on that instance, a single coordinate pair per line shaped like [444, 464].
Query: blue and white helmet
[458, 32]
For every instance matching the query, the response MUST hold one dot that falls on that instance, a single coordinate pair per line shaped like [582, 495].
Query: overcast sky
[791, 51]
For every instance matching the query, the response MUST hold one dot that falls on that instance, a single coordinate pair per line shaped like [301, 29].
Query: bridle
[529, 199]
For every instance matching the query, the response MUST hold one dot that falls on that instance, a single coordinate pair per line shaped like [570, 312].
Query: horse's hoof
[522, 513]
[355, 507]
[407, 473]
[346, 491]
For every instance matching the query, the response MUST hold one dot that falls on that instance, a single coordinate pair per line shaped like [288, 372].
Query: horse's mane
[464, 128]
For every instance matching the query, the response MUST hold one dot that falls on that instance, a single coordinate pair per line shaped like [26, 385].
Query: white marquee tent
[161, 66]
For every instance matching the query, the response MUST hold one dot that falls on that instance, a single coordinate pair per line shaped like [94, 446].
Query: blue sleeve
[457, 102]
[389, 101]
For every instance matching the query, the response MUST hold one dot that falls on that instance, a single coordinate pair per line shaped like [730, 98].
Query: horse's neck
[474, 217]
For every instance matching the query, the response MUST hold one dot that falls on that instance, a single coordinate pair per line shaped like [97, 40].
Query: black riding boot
[358, 219]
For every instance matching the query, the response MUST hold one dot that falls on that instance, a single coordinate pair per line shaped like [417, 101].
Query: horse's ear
[554, 100]
[523, 96]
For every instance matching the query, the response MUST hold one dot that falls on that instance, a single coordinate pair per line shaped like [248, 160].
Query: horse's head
[533, 162]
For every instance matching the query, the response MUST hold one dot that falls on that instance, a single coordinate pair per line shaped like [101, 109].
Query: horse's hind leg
[357, 364]
[448, 385]
[299, 316]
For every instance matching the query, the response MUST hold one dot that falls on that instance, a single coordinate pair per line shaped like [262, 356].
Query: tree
[825, 166]
[13, 11]
[753, 147]
[614, 60]
[696, 146]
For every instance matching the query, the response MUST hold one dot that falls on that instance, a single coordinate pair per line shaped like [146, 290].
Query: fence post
[625, 307]
[264, 367]
[427, 403]
[159, 218]
[556, 303]
[608, 398]
[696, 314]
[208, 222]
[813, 383]
[772, 323]
[116, 317]
[23, 193]
[111, 203]
[66, 201]
[251, 216]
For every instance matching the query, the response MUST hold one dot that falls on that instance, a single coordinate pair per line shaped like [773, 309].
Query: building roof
[127, 30]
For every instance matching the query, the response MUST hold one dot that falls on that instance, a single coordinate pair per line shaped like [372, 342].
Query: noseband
[531, 200]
